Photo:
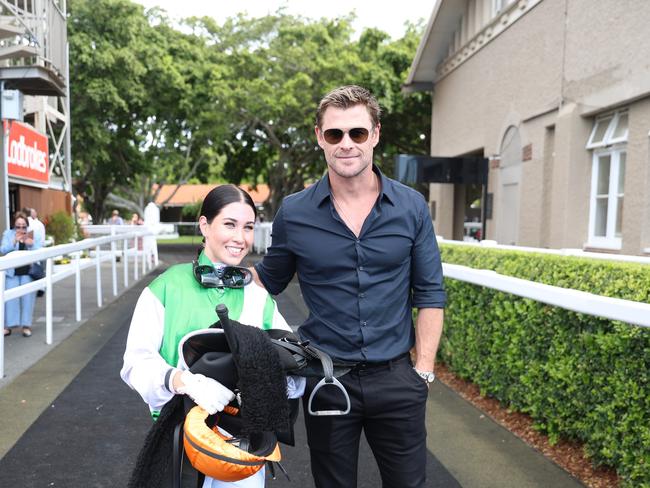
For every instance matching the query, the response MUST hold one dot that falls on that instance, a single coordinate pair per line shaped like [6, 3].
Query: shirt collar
[323, 189]
[204, 260]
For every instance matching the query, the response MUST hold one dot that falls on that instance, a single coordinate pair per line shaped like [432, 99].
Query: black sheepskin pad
[262, 381]
[153, 458]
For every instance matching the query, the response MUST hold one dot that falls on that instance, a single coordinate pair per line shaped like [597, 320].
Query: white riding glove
[207, 393]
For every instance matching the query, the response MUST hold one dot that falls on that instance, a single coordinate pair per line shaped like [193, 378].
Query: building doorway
[509, 188]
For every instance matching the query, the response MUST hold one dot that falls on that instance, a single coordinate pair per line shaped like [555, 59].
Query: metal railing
[262, 237]
[631, 312]
[144, 253]
[636, 313]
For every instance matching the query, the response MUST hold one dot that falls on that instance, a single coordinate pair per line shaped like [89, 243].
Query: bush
[190, 212]
[61, 227]
[579, 377]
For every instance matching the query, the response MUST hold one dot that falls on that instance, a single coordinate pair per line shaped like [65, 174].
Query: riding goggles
[222, 276]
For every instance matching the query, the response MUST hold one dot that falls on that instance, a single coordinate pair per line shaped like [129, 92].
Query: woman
[19, 311]
[175, 304]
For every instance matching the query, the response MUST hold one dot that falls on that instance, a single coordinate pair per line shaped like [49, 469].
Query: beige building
[556, 94]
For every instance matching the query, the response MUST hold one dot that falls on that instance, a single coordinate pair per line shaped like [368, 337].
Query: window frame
[498, 6]
[608, 138]
[610, 240]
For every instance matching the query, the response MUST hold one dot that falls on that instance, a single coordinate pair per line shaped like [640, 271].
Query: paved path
[69, 421]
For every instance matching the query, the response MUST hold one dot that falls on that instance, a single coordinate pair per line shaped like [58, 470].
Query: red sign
[26, 152]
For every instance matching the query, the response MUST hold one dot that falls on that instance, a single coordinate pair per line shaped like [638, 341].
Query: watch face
[428, 376]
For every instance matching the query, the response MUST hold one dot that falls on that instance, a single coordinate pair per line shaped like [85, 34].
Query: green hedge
[579, 377]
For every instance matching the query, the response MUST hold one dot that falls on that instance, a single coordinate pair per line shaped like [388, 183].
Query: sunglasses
[222, 277]
[358, 135]
[20, 227]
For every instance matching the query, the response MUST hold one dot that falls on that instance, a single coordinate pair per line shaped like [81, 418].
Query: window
[607, 139]
[608, 130]
[499, 6]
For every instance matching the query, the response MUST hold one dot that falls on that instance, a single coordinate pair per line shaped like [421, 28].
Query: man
[365, 253]
[115, 218]
[34, 224]
[39, 234]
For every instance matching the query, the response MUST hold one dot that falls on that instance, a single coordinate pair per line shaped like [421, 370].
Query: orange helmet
[223, 446]
[221, 456]
[235, 444]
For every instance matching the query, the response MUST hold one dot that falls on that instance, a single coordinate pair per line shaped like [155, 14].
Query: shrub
[61, 227]
[190, 212]
[578, 376]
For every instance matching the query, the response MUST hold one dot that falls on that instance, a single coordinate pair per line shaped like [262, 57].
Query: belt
[364, 365]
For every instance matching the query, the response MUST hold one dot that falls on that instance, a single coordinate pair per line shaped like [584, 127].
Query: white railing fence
[160, 229]
[262, 237]
[631, 312]
[138, 244]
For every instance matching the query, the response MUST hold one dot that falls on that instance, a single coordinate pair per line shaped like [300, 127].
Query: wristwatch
[428, 376]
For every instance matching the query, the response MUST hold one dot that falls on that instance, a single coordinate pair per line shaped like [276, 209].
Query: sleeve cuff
[169, 376]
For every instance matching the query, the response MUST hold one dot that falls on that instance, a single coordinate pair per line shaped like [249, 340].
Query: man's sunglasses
[222, 276]
[358, 135]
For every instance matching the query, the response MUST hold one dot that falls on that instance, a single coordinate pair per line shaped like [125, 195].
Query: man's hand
[256, 277]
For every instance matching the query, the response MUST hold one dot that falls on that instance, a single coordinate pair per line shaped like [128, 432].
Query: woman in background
[19, 311]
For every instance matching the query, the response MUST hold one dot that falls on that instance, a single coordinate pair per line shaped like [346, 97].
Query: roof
[432, 58]
[188, 194]
[433, 47]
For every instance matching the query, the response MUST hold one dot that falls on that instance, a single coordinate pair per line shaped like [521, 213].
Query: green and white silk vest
[189, 306]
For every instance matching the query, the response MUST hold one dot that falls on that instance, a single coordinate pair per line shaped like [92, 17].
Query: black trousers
[388, 402]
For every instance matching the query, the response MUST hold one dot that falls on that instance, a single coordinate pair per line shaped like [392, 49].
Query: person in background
[136, 220]
[38, 228]
[115, 218]
[365, 254]
[85, 218]
[19, 311]
[35, 224]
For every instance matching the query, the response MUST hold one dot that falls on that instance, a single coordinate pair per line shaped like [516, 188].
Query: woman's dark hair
[221, 196]
[20, 215]
[218, 198]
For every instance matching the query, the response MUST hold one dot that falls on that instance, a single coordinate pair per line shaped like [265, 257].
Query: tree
[155, 104]
[108, 52]
[279, 68]
[144, 98]
[406, 118]
[186, 130]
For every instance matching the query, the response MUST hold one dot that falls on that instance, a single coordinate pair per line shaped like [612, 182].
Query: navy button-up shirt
[359, 291]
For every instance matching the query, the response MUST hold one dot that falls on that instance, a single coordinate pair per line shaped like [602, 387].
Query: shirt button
[360, 268]
[362, 295]
[364, 323]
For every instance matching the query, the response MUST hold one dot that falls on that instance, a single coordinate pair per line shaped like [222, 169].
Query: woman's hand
[207, 393]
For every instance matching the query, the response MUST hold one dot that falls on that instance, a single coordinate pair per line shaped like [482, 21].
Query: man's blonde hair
[348, 96]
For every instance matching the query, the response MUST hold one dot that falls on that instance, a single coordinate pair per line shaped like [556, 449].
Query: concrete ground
[69, 421]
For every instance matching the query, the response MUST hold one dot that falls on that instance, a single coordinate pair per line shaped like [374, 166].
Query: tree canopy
[156, 102]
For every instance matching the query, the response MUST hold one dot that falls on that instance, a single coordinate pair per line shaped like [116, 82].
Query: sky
[388, 16]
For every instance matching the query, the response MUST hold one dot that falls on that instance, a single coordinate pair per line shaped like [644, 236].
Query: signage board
[26, 153]
[411, 169]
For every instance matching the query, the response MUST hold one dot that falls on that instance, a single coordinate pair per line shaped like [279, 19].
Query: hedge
[579, 377]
